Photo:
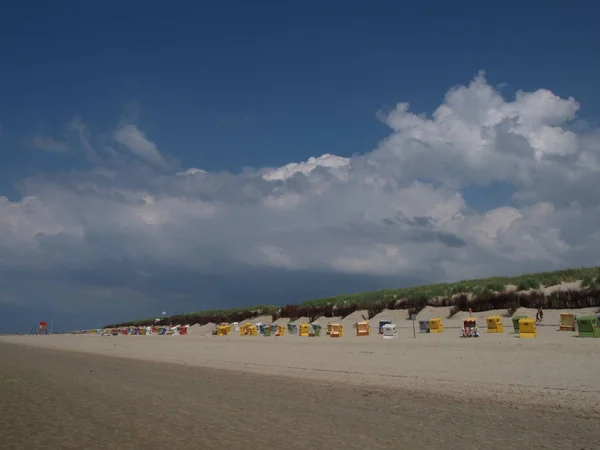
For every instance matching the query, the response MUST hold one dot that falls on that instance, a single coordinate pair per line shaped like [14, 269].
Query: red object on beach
[43, 325]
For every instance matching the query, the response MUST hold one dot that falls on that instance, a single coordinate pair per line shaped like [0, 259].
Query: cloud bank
[399, 212]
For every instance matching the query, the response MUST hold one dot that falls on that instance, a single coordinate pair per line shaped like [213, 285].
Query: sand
[68, 400]
[555, 369]
[497, 391]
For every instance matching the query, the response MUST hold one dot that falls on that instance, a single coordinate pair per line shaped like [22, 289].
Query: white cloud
[48, 144]
[396, 211]
[136, 142]
[336, 164]
[190, 172]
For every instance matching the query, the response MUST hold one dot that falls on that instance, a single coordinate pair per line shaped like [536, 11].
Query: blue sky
[236, 88]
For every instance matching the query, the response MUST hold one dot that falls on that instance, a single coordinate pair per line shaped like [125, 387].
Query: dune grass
[484, 292]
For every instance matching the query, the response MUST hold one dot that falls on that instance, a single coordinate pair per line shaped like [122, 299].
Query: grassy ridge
[590, 277]
[484, 293]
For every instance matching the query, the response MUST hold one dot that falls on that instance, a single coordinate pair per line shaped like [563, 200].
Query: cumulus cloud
[336, 164]
[398, 212]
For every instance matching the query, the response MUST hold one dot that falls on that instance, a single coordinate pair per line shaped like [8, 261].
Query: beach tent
[588, 327]
[515, 321]
[435, 325]
[527, 328]
[389, 331]
[383, 322]
[304, 330]
[336, 330]
[494, 324]
[292, 328]
[469, 328]
[43, 328]
[315, 329]
[567, 322]
[248, 329]
[363, 328]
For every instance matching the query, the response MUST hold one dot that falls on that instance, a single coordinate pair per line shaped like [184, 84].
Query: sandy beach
[361, 392]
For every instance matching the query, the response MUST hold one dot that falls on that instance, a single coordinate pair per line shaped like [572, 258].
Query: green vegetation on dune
[413, 298]
[477, 286]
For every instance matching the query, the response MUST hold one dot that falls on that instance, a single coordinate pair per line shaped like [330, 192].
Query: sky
[185, 156]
